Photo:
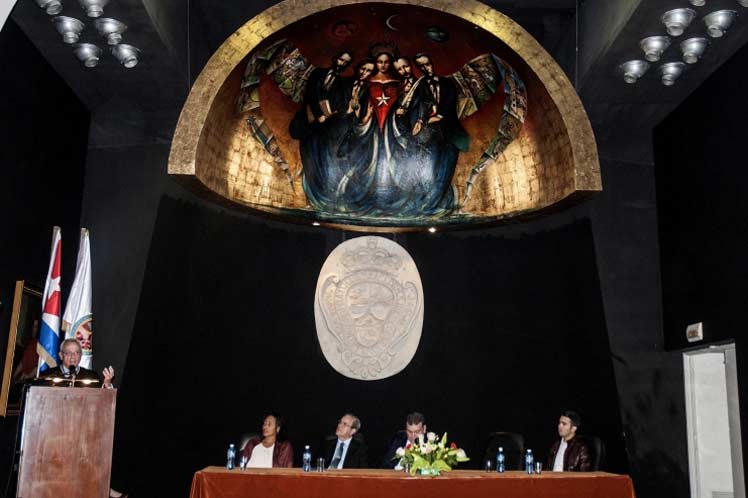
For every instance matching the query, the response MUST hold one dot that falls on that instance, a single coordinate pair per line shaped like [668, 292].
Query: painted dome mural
[386, 116]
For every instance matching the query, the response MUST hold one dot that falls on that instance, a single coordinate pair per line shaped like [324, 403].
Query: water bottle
[307, 459]
[500, 461]
[230, 457]
[529, 462]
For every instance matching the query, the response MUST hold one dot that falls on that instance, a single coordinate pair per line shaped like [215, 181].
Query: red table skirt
[217, 482]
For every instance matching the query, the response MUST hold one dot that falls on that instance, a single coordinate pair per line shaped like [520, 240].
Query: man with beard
[324, 95]
[569, 453]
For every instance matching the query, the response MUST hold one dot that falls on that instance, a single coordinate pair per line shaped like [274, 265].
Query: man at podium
[69, 369]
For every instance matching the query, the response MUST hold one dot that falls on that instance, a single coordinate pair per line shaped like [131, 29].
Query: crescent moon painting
[389, 23]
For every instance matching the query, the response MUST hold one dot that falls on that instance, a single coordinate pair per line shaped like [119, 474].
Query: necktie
[338, 455]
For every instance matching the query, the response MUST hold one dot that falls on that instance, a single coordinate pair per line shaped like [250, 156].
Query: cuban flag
[77, 319]
[49, 335]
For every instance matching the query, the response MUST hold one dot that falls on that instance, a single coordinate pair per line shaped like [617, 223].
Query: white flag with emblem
[77, 319]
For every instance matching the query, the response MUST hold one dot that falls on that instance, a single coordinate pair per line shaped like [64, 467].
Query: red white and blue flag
[49, 335]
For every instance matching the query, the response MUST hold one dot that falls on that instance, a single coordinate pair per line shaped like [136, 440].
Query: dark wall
[43, 137]
[702, 192]
[226, 315]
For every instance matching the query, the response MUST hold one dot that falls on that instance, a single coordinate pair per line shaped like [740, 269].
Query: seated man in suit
[70, 354]
[415, 425]
[569, 454]
[345, 452]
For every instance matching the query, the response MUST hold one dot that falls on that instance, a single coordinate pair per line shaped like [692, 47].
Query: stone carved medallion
[368, 308]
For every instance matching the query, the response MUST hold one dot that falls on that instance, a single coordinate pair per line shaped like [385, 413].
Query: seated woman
[270, 451]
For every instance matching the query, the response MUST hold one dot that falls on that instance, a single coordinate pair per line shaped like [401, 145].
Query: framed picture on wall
[20, 358]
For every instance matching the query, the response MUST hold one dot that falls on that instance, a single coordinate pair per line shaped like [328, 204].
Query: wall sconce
[111, 29]
[718, 22]
[693, 49]
[93, 8]
[87, 53]
[633, 70]
[677, 20]
[670, 72]
[654, 46]
[126, 54]
[52, 7]
[698, 3]
[69, 27]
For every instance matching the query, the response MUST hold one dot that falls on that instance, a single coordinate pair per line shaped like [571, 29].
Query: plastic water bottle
[529, 462]
[230, 457]
[500, 461]
[307, 459]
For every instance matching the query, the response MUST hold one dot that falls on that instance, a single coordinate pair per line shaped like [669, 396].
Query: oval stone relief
[368, 308]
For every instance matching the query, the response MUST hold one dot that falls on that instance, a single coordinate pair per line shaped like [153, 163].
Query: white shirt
[346, 444]
[261, 458]
[558, 463]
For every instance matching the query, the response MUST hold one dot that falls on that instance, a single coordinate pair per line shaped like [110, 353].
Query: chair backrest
[514, 448]
[597, 449]
[243, 440]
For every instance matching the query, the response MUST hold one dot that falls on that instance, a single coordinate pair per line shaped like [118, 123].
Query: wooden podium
[66, 443]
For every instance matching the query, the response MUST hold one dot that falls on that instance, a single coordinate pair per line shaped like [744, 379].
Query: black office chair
[243, 440]
[514, 449]
[597, 450]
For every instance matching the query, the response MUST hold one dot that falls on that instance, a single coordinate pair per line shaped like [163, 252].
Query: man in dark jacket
[344, 451]
[569, 453]
[415, 425]
[69, 369]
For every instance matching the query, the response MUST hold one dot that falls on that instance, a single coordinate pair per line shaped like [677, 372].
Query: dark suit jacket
[576, 458]
[356, 458]
[83, 374]
[399, 440]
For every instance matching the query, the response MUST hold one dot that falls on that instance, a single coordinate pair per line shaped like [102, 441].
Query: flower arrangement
[430, 455]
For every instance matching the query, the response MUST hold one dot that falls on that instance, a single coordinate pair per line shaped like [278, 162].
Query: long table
[217, 482]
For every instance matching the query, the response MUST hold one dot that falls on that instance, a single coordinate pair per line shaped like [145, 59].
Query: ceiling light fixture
[693, 49]
[718, 22]
[633, 70]
[670, 72]
[677, 20]
[698, 3]
[69, 27]
[126, 54]
[52, 7]
[93, 8]
[654, 46]
[87, 53]
[111, 29]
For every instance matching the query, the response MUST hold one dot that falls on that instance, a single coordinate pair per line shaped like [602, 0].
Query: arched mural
[386, 116]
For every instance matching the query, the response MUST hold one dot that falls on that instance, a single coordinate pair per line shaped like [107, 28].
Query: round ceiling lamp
[677, 20]
[692, 49]
[52, 7]
[633, 70]
[670, 72]
[111, 29]
[93, 8]
[718, 22]
[127, 55]
[69, 27]
[87, 53]
[654, 46]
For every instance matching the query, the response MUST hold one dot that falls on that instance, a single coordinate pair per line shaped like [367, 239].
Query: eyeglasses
[344, 424]
[71, 353]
